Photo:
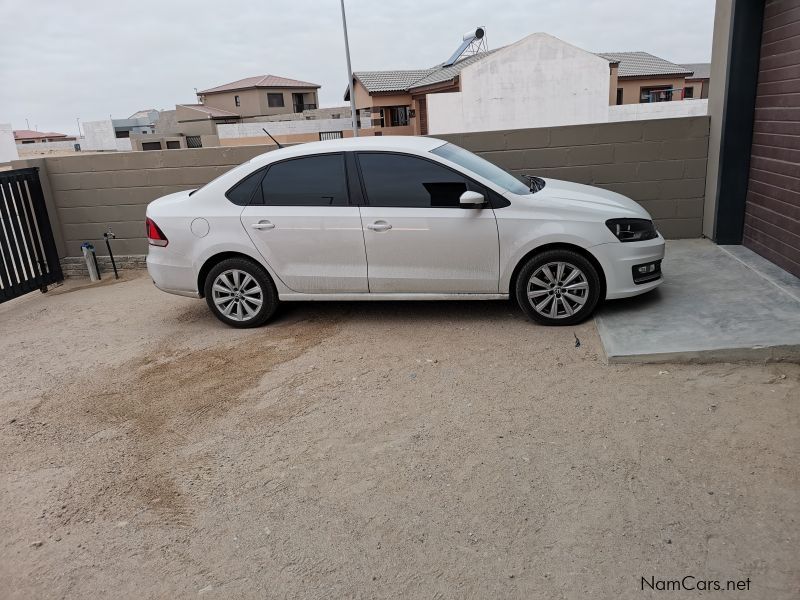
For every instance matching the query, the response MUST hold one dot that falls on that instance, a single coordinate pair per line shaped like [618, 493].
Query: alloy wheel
[237, 295]
[558, 290]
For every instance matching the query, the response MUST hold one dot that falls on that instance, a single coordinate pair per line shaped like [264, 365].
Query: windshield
[482, 167]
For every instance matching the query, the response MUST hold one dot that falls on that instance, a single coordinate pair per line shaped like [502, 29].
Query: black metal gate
[28, 255]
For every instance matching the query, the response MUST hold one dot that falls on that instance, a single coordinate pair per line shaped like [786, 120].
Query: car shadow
[419, 310]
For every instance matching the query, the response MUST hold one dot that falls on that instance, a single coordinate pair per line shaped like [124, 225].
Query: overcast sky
[62, 59]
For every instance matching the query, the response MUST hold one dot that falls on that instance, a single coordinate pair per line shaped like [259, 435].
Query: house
[539, 80]
[394, 102]
[260, 96]
[753, 178]
[535, 82]
[28, 136]
[642, 78]
[141, 122]
[698, 82]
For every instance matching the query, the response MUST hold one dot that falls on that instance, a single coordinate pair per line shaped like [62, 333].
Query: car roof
[389, 143]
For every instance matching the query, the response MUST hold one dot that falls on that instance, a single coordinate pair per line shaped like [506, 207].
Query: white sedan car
[397, 218]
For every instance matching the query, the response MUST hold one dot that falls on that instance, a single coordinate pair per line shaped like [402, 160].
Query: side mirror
[470, 199]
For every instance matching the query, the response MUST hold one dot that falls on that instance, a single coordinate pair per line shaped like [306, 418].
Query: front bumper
[618, 260]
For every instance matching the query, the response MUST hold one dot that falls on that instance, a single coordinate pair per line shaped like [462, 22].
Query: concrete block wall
[89, 193]
[659, 163]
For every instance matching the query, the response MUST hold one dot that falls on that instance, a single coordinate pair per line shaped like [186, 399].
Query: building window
[122, 134]
[173, 145]
[398, 116]
[194, 141]
[330, 135]
[662, 93]
[236, 101]
[275, 100]
[151, 145]
[619, 96]
[688, 93]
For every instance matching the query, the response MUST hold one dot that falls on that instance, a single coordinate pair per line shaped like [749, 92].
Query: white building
[536, 82]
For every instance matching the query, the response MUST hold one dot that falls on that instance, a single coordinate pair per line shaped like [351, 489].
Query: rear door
[302, 223]
[417, 236]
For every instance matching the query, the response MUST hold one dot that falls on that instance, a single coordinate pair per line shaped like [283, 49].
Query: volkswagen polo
[397, 218]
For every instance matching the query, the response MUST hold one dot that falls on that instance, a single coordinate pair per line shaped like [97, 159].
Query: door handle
[379, 226]
[263, 225]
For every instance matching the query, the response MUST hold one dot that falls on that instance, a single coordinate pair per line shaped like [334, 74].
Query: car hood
[579, 196]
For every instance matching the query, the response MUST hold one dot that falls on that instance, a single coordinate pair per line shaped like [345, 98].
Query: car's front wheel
[240, 293]
[558, 287]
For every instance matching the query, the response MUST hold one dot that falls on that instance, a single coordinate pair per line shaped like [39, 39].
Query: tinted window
[482, 167]
[242, 192]
[399, 180]
[310, 181]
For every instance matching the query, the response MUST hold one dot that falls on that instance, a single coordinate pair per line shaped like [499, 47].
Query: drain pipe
[90, 257]
[110, 234]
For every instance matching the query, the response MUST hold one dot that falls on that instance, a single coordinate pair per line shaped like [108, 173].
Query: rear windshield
[482, 167]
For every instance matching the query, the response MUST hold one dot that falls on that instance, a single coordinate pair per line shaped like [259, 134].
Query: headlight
[632, 230]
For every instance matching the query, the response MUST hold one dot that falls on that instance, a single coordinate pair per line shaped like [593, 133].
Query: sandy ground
[416, 450]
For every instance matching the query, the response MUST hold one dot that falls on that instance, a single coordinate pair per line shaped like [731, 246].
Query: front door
[297, 100]
[417, 236]
[304, 227]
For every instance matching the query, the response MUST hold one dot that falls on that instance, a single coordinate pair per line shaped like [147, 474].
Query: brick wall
[659, 163]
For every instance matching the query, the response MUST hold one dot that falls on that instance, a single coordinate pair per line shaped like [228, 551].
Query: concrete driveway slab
[716, 304]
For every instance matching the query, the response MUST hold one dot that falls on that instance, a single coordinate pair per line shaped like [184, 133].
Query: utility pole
[27, 124]
[78, 120]
[349, 74]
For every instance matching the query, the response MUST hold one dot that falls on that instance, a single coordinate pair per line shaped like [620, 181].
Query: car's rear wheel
[558, 287]
[240, 293]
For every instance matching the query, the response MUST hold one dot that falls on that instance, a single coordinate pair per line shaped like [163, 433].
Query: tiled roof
[390, 81]
[260, 81]
[210, 110]
[441, 73]
[642, 64]
[29, 134]
[701, 70]
[403, 81]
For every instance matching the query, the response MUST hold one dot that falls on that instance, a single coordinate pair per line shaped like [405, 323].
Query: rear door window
[318, 180]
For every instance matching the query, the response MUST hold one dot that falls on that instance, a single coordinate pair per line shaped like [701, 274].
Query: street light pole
[349, 74]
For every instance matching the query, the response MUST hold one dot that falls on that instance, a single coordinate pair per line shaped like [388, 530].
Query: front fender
[519, 238]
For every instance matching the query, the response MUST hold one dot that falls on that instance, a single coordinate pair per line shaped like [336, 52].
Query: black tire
[580, 300]
[243, 297]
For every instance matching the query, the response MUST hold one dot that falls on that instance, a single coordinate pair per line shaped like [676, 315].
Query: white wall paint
[658, 110]
[44, 147]
[537, 82]
[243, 130]
[8, 147]
[99, 135]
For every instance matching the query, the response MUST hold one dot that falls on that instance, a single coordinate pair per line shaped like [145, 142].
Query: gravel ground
[417, 450]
